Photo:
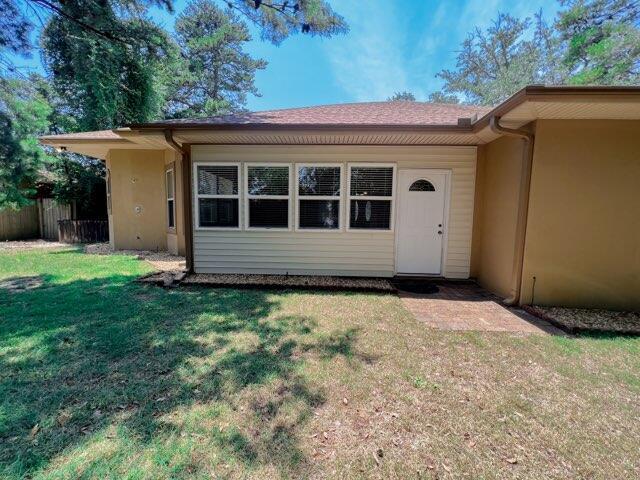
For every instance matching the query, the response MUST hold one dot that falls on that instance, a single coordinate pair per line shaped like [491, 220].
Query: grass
[104, 378]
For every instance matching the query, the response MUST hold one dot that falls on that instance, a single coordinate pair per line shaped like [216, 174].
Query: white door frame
[445, 231]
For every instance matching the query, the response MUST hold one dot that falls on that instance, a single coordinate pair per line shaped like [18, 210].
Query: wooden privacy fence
[34, 221]
[83, 231]
[19, 224]
[50, 213]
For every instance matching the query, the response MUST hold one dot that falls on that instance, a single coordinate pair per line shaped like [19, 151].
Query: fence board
[83, 231]
[51, 213]
[19, 224]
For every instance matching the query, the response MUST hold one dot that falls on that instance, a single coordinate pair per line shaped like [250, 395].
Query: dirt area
[18, 284]
[576, 320]
[161, 261]
[19, 245]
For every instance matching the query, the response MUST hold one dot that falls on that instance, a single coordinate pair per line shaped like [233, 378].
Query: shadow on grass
[80, 356]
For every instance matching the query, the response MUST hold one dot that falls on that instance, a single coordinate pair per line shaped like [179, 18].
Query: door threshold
[435, 276]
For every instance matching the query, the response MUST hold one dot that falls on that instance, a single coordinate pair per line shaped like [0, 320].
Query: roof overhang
[529, 104]
[91, 147]
[562, 103]
[320, 136]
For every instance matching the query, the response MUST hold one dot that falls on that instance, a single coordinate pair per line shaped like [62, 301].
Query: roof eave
[542, 93]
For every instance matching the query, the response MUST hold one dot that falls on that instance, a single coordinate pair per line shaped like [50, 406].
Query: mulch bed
[415, 286]
[307, 282]
[580, 320]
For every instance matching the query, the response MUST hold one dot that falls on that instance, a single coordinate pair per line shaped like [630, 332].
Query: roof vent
[467, 122]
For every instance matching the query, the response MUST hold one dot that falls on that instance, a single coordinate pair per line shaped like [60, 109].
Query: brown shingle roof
[361, 114]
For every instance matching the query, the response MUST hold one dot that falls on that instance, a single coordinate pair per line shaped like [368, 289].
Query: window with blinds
[319, 197]
[217, 196]
[371, 197]
[268, 196]
[171, 205]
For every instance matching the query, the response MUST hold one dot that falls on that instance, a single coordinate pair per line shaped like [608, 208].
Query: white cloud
[368, 63]
[389, 50]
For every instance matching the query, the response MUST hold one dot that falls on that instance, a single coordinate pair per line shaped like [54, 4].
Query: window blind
[319, 197]
[268, 196]
[371, 181]
[217, 196]
[217, 180]
[370, 197]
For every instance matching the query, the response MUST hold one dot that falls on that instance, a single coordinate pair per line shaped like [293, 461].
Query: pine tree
[214, 75]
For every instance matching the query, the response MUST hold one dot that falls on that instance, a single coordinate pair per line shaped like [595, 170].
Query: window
[371, 197]
[171, 204]
[422, 186]
[319, 197]
[217, 196]
[108, 190]
[268, 196]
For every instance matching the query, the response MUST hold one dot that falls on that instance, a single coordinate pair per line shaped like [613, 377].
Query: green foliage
[441, 97]
[24, 114]
[602, 41]
[30, 108]
[107, 83]
[495, 63]
[280, 19]
[402, 97]
[214, 75]
[79, 179]
[592, 42]
[14, 33]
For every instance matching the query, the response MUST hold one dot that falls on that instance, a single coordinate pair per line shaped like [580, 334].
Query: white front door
[420, 221]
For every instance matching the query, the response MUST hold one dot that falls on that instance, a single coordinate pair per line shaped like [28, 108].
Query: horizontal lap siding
[294, 252]
[336, 253]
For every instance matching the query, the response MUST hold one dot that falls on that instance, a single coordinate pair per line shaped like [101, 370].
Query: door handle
[439, 232]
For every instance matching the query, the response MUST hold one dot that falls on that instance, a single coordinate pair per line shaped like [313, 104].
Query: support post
[187, 197]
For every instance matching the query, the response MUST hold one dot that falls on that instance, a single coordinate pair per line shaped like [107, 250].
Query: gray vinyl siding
[335, 253]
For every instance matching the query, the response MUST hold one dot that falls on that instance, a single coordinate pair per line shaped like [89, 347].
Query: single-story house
[538, 198]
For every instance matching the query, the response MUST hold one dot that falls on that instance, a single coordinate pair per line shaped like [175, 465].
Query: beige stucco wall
[138, 217]
[497, 189]
[583, 234]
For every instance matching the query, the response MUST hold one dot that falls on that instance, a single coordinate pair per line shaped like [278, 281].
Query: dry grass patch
[130, 381]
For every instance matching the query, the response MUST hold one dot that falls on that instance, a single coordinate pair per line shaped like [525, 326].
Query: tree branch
[85, 26]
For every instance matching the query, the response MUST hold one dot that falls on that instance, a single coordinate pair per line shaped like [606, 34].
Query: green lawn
[104, 378]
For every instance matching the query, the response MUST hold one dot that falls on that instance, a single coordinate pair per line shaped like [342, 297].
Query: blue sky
[393, 45]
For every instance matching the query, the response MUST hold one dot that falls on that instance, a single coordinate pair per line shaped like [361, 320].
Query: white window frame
[248, 197]
[197, 196]
[339, 198]
[171, 228]
[392, 199]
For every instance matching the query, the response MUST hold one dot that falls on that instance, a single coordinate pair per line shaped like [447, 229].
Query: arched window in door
[422, 186]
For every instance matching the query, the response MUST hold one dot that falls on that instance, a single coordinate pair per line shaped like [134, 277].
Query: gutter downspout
[523, 205]
[185, 152]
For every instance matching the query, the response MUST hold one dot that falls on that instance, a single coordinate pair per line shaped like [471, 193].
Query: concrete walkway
[469, 307]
